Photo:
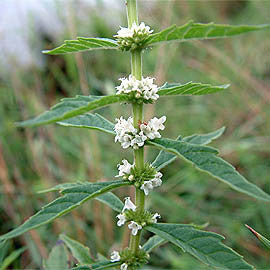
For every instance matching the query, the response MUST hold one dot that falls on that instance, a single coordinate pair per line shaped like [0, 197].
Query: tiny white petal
[134, 227]
[122, 219]
[115, 257]
[129, 205]
[155, 216]
[123, 266]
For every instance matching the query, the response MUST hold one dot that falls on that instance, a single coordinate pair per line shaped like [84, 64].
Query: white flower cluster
[144, 88]
[129, 136]
[115, 257]
[125, 170]
[155, 182]
[133, 226]
[135, 30]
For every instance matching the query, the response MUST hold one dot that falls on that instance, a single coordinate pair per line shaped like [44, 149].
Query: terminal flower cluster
[129, 136]
[134, 37]
[144, 89]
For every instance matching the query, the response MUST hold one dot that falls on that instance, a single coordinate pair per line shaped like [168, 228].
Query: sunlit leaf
[205, 159]
[71, 199]
[83, 44]
[205, 246]
[189, 88]
[71, 107]
[195, 31]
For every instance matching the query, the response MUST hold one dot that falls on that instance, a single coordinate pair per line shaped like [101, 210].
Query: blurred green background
[36, 158]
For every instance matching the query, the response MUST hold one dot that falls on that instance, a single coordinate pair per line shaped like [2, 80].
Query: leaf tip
[253, 231]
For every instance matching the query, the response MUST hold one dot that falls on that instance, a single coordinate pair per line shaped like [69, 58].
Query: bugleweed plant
[136, 91]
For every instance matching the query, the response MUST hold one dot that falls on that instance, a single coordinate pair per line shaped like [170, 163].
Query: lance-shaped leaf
[263, 239]
[90, 121]
[153, 242]
[11, 258]
[164, 158]
[58, 258]
[205, 159]
[190, 88]
[71, 107]
[78, 250]
[205, 246]
[71, 199]
[108, 198]
[83, 44]
[98, 266]
[195, 31]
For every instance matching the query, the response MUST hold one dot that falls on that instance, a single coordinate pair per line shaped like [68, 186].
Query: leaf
[11, 258]
[98, 266]
[90, 121]
[153, 242]
[83, 44]
[164, 158]
[71, 107]
[108, 198]
[203, 139]
[205, 246]
[204, 158]
[73, 197]
[195, 31]
[79, 251]
[189, 88]
[58, 258]
[263, 239]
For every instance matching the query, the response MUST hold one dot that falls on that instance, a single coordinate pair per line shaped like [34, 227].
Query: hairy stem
[136, 71]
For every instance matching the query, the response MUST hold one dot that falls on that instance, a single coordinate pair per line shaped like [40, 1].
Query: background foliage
[38, 158]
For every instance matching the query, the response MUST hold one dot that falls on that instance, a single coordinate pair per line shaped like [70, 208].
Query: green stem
[136, 71]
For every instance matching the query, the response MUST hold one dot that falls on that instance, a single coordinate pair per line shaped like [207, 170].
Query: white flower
[124, 169]
[155, 216]
[123, 266]
[156, 182]
[134, 227]
[135, 29]
[139, 139]
[151, 128]
[144, 88]
[146, 186]
[122, 220]
[115, 257]
[124, 126]
[129, 205]
[157, 124]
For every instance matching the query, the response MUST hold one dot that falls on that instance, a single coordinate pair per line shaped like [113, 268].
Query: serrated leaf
[205, 246]
[153, 242]
[83, 44]
[195, 31]
[108, 198]
[78, 250]
[71, 107]
[58, 258]
[263, 239]
[164, 158]
[98, 266]
[11, 258]
[205, 159]
[90, 121]
[71, 199]
[190, 88]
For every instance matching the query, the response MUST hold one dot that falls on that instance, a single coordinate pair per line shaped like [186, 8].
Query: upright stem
[136, 71]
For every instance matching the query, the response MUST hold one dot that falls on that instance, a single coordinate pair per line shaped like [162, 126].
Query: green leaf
[72, 198]
[263, 239]
[11, 258]
[195, 31]
[83, 44]
[153, 242]
[108, 198]
[204, 158]
[205, 246]
[79, 251]
[58, 258]
[71, 107]
[98, 266]
[190, 88]
[164, 158]
[90, 121]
